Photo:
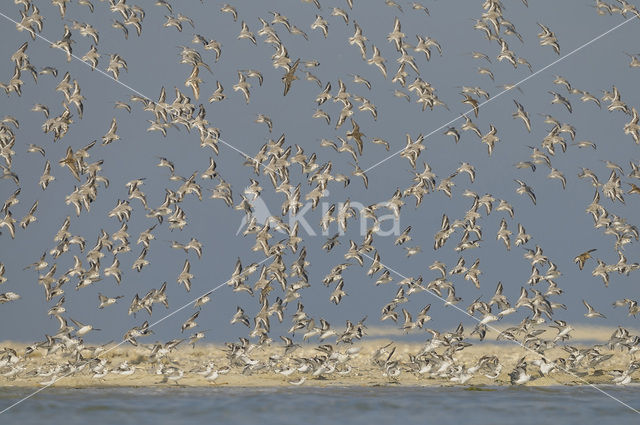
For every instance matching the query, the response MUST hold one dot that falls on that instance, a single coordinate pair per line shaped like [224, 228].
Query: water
[307, 406]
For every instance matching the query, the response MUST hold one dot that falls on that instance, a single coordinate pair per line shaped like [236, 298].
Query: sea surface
[336, 405]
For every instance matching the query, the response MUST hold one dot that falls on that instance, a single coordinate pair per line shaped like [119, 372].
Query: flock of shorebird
[279, 285]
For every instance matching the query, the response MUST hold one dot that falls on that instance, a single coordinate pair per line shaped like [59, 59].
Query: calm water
[348, 405]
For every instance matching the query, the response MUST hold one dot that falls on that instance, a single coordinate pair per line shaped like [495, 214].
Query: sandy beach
[126, 365]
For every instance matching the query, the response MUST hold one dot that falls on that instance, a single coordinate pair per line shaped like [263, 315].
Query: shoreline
[268, 367]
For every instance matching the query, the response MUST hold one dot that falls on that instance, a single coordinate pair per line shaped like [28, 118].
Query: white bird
[82, 328]
[107, 301]
[591, 312]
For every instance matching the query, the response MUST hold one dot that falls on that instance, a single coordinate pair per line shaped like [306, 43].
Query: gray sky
[558, 223]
